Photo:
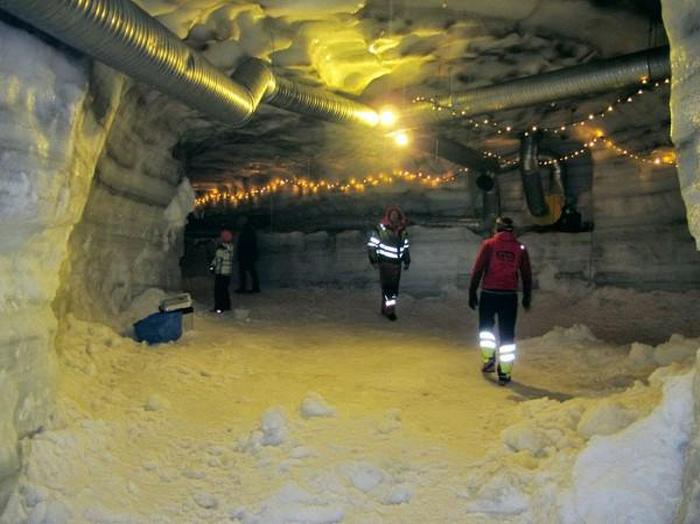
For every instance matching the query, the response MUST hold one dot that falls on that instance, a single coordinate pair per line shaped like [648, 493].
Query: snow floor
[308, 407]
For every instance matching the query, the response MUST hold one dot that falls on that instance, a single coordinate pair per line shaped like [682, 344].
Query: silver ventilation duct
[557, 175]
[319, 104]
[456, 153]
[583, 80]
[125, 37]
[530, 173]
[490, 199]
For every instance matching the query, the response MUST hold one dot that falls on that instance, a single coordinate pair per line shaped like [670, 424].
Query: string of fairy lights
[605, 112]
[301, 186]
[501, 128]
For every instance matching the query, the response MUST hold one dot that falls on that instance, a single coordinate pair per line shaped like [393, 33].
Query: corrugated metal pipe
[599, 76]
[557, 175]
[490, 199]
[455, 152]
[530, 173]
[125, 37]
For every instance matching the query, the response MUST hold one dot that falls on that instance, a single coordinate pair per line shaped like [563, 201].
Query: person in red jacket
[500, 260]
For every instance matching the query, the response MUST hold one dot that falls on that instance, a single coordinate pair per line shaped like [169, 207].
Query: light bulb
[401, 138]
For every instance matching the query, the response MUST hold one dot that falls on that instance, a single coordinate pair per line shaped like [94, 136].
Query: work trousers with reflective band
[389, 277]
[503, 305]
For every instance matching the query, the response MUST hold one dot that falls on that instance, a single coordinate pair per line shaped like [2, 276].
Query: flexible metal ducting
[455, 152]
[490, 199]
[125, 37]
[320, 104]
[558, 173]
[530, 173]
[594, 77]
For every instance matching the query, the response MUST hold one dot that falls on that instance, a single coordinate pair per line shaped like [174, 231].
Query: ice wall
[92, 208]
[130, 235]
[55, 112]
[682, 19]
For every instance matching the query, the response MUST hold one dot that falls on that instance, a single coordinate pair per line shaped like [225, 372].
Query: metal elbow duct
[125, 37]
[455, 152]
[594, 77]
[557, 184]
[256, 79]
[530, 173]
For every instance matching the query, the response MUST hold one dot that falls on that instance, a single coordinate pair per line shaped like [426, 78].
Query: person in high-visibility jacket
[499, 262]
[388, 249]
[222, 267]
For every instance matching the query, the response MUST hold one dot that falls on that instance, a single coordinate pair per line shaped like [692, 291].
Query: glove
[211, 269]
[527, 301]
[473, 300]
[405, 266]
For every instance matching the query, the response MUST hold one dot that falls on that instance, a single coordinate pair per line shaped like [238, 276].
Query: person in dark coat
[247, 256]
[501, 260]
[388, 248]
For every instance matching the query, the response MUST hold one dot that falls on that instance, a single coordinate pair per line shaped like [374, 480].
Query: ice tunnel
[538, 159]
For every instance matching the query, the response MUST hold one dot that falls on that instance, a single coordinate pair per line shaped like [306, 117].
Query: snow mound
[636, 472]
[206, 500]
[314, 405]
[364, 475]
[398, 494]
[676, 349]
[292, 504]
[527, 437]
[606, 419]
[576, 335]
[271, 432]
[156, 402]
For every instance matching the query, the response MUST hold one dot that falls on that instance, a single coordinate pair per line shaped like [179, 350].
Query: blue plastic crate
[159, 327]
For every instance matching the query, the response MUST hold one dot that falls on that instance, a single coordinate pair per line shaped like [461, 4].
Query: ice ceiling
[388, 52]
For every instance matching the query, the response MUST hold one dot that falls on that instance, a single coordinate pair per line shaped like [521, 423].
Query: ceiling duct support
[599, 76]
[127, 38]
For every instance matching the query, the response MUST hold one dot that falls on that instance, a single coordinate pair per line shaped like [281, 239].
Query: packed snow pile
[268, 422]
[314, 405]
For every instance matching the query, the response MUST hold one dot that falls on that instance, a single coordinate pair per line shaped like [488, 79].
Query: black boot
[490, 366]
[503, 378]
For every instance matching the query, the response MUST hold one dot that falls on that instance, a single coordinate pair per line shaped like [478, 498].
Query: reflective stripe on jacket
[384, 245]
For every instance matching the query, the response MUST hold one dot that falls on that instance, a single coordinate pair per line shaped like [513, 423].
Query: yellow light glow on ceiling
[382, 45]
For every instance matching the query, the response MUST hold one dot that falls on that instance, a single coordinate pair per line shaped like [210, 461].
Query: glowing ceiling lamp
[401, 138]
[387, 117]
